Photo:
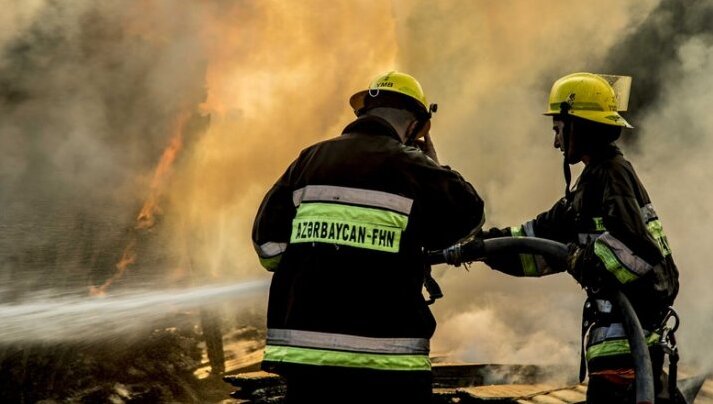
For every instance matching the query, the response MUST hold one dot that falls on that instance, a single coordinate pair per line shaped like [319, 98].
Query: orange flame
[146, 218]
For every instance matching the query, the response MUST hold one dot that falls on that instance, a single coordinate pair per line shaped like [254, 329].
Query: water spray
[81, 318]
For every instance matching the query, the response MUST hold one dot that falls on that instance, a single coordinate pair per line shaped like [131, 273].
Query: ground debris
[153, 367]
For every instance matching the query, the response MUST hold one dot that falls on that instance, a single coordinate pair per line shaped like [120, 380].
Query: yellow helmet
[590, 97]
[393, 82]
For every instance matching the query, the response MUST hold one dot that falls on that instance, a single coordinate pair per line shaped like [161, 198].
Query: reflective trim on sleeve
[529, 266]
[355, 226]
[270, 249]
[529, 229]
[322, 357]
[619, 259]
[344, 342]
[648, 213]
[356, 196]
[598, 224]
[271, 263]
[656, 230]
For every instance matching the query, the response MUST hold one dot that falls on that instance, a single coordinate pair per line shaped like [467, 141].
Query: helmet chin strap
[566, 133]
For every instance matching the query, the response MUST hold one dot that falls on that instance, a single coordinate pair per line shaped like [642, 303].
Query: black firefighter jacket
[345, 230]
[611, 218]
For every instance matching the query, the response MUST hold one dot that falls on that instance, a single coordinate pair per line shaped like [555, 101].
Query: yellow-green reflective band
[612, 264]
[517, 231]
[616, 347]
[355, 226]
[271, 263]
[599, 224]
[320, 357]
[656, 229]
[529, 268]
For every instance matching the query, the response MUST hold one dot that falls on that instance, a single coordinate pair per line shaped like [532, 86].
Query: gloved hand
[493, 232]
[500, 262]
[583, 267]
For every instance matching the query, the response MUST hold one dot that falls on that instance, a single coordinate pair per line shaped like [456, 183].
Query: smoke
[670, 26]
[675, 146]
[87, 107]
[91, 92]
[278, 81]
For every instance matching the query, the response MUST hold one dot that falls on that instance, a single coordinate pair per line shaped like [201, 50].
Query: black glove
[504, 263]
[583, 266]
[574, 262]
[493, 232]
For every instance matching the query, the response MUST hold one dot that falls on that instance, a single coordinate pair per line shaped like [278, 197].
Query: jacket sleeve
[555, 224]
[453, 209]
[629, 249]
[273, 224]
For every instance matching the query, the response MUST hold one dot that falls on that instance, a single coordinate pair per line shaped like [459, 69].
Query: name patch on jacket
[355, 226]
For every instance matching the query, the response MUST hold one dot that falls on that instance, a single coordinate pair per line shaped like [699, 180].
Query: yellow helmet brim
[604, 117]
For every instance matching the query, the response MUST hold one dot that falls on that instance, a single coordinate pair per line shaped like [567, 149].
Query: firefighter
[615, 236]
[344, 232]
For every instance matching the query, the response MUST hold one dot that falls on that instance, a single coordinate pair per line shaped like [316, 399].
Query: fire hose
[475, 249]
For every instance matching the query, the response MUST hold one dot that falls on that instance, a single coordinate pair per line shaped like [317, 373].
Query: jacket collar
[606, 152]
[373, 125]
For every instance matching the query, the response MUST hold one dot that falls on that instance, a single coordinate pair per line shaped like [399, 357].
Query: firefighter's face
[571, 154]
[557, 129]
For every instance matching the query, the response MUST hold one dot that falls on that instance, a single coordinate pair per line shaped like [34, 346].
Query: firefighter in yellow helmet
[344, 232]
[615, 236]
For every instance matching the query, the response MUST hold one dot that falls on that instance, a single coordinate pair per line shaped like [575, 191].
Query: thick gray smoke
[88, 101]
[651, 52]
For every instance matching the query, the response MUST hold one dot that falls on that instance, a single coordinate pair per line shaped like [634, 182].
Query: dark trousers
[343, 385]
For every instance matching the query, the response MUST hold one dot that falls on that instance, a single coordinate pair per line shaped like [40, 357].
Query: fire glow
[146, 219]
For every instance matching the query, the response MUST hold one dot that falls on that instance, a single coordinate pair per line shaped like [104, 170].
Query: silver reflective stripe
[366, 197]
[613, 331]
[270, 249]
[542, 267]
[604, 306]
[344, 342]
[648, 213]
[627, 257]
[586, 238]
[357, 196]
[529, 228]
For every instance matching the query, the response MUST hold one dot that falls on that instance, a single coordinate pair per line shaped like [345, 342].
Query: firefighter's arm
[462, 212]
[273, 223]
[553, 224]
